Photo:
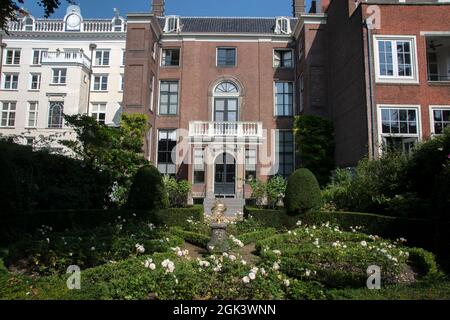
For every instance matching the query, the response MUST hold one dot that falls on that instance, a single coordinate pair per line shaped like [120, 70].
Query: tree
[9, 9]
[314, 137]
[117, 151]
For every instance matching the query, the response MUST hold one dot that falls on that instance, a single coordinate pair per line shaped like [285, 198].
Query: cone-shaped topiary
[148, 191]
[302, 192]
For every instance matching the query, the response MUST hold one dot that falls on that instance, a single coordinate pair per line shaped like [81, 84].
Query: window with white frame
[226, 57]
[172, 24]
[11, 81]
[283, 25]
[250, 164]
[395, 59]
[32, 116]
[283, 58]
[167, 141]
[59, 76]
[12, 57]
[124, 54]
[285, 152]
[399, 128]
[284, 99]
[170, 57]
[102, 57]
[168, 104]
[100, 83]
[199, 166]
[8, 118]
[37, 56]
[122, 82]
[56, 114]
[440, 119]
[35, 81]
[98, 112]
[151, 94]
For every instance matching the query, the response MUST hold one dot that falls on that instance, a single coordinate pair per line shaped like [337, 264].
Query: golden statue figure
[218, 212]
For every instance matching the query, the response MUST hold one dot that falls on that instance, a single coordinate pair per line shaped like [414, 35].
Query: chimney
[158, 8]
[299, 7]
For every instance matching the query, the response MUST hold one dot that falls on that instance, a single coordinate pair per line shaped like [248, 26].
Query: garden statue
[219, 240]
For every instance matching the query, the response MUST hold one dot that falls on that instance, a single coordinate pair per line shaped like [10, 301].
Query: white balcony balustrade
[62, 58]
[47, 25]
[226, 129]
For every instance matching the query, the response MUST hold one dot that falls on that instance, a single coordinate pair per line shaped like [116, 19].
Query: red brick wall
[412, 20]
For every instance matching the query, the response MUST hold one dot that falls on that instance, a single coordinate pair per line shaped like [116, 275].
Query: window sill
[168, 115]
[100, 91]
[397, 81]
[170, 67]
[57, 84]
[34, 90]
[102, 67]
[283, 68]
[8, 128]
[226, 67]
[11, 90]
[11, 65]
[438, 83]
[31, 128]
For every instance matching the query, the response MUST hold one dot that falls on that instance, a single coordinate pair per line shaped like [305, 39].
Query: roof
[227, 24]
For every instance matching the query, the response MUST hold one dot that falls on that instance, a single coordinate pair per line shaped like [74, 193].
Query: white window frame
[101, 82]
[157, 146]
[36, 114]
[382, 135]
[41, 54]
[38, 81]
[60, 76]
[8, 112]
[194, 163]
[255, 149]
[279, 27]
[11, 82]
[102, 57]
[432, 109]
[152, 94]
[122, 82]
[161, 62]
[14, 50]
[96, 107]
[414, 78]
[275, 99]
[283, 50]
[172, 24]
[123, 62]
[235, 57]
[178, 99]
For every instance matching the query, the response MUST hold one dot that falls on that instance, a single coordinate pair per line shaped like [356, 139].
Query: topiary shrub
[148, 191]
[178, 191]
[302, 192]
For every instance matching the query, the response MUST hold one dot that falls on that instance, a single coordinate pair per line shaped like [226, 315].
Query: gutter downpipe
[368, 26]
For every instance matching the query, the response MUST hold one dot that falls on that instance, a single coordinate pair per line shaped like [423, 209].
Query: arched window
[55, 115]
[226, 102]
[28, 23]
[226, 87]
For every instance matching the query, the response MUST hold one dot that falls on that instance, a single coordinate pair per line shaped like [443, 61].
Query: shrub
[254, 236]
[178, 191]
[302, 192]
[34, 181]
[270, 193]
[197, 239]
[314, 137]
[271, 218]
[180, 216]
[423, 261]
[148, 191]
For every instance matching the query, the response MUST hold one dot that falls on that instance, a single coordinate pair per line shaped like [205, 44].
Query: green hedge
[197, 239]
[14, 227]
[255, 236]
[271, 218]
[429, 234]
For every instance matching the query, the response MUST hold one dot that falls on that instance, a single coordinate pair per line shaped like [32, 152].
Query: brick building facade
[225, 90]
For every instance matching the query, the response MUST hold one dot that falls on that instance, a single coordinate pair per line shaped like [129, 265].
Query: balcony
[210, 130]
[63, 58]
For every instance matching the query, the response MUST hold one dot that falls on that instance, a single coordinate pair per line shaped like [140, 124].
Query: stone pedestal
[219, 240]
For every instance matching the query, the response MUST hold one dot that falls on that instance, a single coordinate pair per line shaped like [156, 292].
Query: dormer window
[28, 23]
[117, 22]
[172, 24]
[283, 26]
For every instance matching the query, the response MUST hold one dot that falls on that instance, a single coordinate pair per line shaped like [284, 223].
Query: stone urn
[219, 239]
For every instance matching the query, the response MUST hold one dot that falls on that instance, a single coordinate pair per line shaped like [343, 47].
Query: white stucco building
[46, 68]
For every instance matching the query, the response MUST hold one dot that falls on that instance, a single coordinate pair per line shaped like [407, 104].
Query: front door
[225, 178]
[226, 110]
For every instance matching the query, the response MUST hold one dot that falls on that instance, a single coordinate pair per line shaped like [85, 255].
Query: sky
[231, 8]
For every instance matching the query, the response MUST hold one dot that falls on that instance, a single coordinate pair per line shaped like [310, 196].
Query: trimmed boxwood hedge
[14, 227]
[271, 218]
[197, 239]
